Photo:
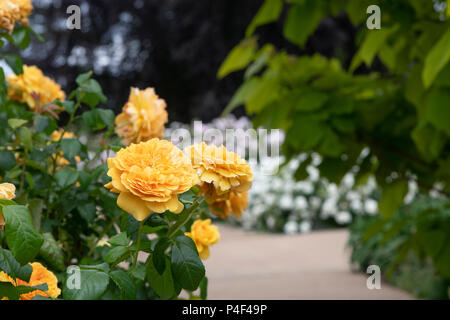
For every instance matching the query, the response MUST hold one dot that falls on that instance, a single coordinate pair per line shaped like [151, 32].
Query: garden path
[250, 265]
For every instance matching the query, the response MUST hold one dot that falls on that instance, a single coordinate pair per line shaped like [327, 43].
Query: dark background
[175, 46]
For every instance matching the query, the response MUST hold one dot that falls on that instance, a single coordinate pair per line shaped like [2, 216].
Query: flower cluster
[13, 11]
[204, 235]
[40, 275]
[143, 117]
[33, 88]
[224, 178]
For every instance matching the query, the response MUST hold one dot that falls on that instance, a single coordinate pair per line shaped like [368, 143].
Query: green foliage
[411, 248]
[401, 114]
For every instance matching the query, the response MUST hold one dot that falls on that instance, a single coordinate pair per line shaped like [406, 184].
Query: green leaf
[117, 254]
[82, 78]
[301, 21]
[9, 291]
[245, 92]
[66, 177]
[21, 236]
[98, 119]
[42, 123]
[88, 211]
[26, 137]
[429, 141]
[52, 253]
[16, 123]
[20, 38]
[187, 268]
[12, 267]
[15, 62]
[239, 57]
[125, 284]
[162, 284]
[436, 59]
[7, 160]
[392, 198]
[305, 133]
[438, 109]
[372, 44]
[310, 100]
[269, 12]
[91, 93]
[70, 147]
[93, 284]
[120, 239]
[159, 256]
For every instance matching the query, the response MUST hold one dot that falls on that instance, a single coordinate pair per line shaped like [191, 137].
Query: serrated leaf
[21, 236]
[125, 284]
[187, 268]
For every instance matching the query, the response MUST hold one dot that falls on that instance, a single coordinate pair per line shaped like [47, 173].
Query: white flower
[371, 206]
[304, 186]
[343, 217]
[329, 207]
[305, 226]
[291, 227]
[356, 205]
[286, 202]
[313, 172]
[301, 203]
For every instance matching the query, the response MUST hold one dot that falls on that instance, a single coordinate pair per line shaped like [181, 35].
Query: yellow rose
[9, 14]
[142, 118]
[235, 204]
[33, 88]
[204, 235]
[148, 177]
[25, 8]
[7, 192]
[39, 275]
[220, 171]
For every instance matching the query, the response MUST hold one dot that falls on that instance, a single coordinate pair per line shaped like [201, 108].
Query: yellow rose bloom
[39, 275]
[204, 235]
[143, 117]
[25, 8]
[7, 192]
[235, 204]
[33, 88]
[148, 177]
[220, 171]
[9, 14]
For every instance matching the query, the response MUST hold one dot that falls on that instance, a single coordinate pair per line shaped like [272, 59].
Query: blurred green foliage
[401, 114]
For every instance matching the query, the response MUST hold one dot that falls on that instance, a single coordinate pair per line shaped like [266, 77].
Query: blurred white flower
[305, 226]
[291, 227]
[371, 206]
[343, 217]
[286, 202]
[300, 203]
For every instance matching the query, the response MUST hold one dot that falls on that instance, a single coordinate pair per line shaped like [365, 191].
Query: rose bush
[126, 212]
